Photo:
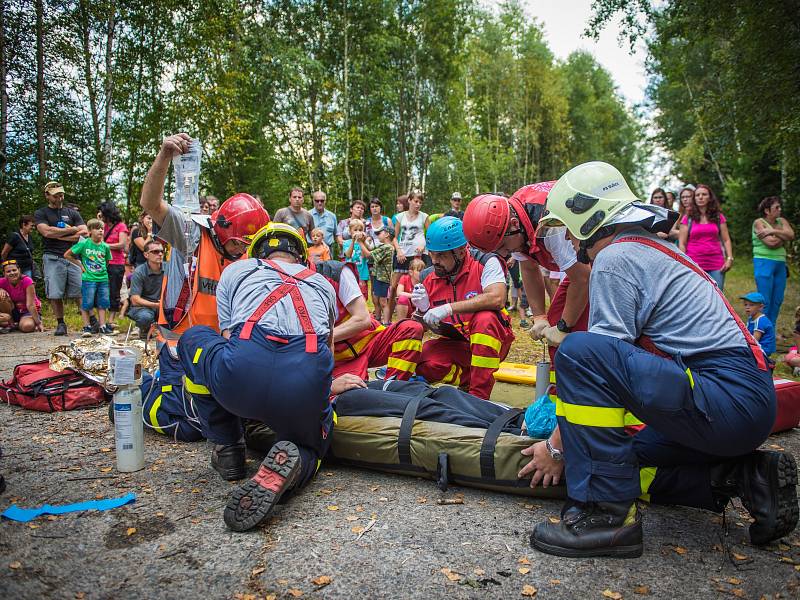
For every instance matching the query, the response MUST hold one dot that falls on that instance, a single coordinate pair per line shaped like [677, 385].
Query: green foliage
[360, 98]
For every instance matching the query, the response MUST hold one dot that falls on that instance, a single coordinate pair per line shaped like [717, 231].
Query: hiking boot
[765, 481]
[229, 461]
[592, 529]
[106, 329]
[524, 324]
[258, 437]
[61, 329]
[87, 331]
[253, 502]
[94, 323]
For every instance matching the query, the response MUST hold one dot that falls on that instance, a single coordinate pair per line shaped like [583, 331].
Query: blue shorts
[380, 288]
[95, 294]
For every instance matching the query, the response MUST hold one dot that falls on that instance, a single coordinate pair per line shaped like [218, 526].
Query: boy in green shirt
[381, 271]
[94, 255]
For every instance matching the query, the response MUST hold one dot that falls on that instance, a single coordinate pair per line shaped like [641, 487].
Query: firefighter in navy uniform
[701, 386]
[466, 290]
[272, 363]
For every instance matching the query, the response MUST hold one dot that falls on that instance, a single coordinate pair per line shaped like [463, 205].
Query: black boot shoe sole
[634, 551]
[782, 479]
[254, 501]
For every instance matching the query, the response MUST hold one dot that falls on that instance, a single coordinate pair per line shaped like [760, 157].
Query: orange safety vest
[202, 308]
[353, 346]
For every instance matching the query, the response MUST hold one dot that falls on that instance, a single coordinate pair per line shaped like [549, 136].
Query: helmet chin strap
[219, 247]
[585, 245]
[456, 267]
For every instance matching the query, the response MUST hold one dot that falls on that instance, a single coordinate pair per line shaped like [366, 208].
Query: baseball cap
[754, 297]
[456, 196]
[54, 188]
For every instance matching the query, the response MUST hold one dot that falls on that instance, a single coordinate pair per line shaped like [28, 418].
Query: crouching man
[699, 382]
[467, 292]
[272, 363]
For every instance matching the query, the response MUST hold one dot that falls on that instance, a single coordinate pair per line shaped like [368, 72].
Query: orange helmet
[486, 221]
[238, 218]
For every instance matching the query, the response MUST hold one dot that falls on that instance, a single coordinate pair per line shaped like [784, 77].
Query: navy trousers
[274, 381]
[698, 412]
[168, 410]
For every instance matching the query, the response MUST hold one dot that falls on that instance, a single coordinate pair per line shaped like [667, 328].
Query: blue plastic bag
[540, 418]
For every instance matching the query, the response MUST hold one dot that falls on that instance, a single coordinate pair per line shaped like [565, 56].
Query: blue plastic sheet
[23, 515]
[540, 418]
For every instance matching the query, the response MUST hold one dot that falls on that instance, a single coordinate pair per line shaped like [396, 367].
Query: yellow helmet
[587, 197]
[278, 237]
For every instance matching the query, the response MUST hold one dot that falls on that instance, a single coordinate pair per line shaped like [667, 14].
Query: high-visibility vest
[200, 293]
[353, 346]
[465, 285]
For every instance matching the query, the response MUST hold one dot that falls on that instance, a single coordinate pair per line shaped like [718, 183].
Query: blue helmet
[446, 233]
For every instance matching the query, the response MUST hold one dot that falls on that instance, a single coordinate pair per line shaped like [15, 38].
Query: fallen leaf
[258, 571]
[529, 591]
[271, 597]
[130, 531]
[451, 575]
[333, 507]
[351, 518]
[177, 491]
[421, 500]
[776, 447]
[15, 565]
[524, 570]
[322, 580]
[786, 559]
[797, 567]
[195, 490]
[554, 520]
[738, 592]
[612, 595]
[326, 492]
[555, 582]
[159, 514]
[642, 590]
[679, 550]
[524, 561]
[717, 547]
[295, 592]
[106, 469]
[283, 581]
[357, 529]
[105, 449]
[734, 580]
[383, 499]
[738, 556]
[479, 572]
[33, 526]
[359, 508]
[374, 488]
[80, 595]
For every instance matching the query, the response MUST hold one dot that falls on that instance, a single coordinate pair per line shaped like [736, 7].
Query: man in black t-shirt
[60, 227]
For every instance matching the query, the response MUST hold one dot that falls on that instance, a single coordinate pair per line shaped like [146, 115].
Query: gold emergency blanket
[89, 356]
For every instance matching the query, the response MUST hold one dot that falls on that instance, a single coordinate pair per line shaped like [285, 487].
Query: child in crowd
[792, 358]
[757, 323]
[94, 255]
[19, 306]
[381, 274]
[406, 284]
[356, 250]
[318, 250]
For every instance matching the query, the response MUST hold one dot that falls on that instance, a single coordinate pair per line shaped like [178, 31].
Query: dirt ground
[350, 533]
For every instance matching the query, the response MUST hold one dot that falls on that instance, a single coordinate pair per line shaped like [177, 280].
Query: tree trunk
[40, 153]
[136, 112]
[109, 90]
[346, 113]
[3, 99]
[84, 27]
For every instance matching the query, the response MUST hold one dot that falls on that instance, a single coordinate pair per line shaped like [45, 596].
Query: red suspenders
[287, 287]
[758, 354]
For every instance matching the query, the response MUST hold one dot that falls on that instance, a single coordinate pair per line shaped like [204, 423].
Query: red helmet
[486, 221]
[239, 217]
[533, 193]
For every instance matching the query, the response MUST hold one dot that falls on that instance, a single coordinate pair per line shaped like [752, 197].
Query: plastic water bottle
[128, 428]
[187, 179]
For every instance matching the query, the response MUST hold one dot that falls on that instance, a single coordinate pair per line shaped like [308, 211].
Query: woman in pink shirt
[704, 233]
[116, 236]
[19, 305]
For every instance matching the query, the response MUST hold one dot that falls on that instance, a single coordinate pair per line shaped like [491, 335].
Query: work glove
[419, 298]
[436, 314]
[554, 336]
[539, 325]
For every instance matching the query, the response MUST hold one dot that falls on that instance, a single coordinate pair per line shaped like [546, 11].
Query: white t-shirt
[348, 287]
[559, 247]
[492, 273]
[412, 233]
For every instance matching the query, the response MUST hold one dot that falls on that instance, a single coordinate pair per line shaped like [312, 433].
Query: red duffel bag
[788, 394]
[37, 387]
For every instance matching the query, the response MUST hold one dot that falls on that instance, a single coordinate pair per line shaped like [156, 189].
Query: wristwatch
[555, 453]
[563, 327]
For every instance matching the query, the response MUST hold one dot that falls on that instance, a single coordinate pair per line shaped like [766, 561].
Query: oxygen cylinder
[128, 428]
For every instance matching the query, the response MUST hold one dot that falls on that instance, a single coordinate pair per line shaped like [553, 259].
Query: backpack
[37, 387]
